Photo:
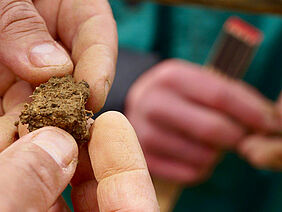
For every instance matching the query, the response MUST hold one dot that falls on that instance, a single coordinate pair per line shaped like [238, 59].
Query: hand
[31, 180]
[262, 151]
[184, 116]
[37, 168]
[37, 35]
[13, 94]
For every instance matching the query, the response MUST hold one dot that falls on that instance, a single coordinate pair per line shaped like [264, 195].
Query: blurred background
[151, 32]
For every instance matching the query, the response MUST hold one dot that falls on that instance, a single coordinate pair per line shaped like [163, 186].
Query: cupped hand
[38, 36]
[185, 115]
[112, 177]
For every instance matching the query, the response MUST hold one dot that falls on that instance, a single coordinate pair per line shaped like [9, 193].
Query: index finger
[89, 30]
[124, 183]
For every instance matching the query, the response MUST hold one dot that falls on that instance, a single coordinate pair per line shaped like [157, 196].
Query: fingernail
[48, 54]
[60, 146]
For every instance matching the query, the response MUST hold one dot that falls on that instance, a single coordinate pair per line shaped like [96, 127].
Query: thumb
[36, 169]
[26, 47]
[262, 152]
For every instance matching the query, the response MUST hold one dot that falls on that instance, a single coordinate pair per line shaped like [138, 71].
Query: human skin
[109, 174]
[44, 38]
[264, 152]
[112, 134]
[186, 116]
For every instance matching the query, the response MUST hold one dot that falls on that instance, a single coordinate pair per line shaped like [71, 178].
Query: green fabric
[189, 33]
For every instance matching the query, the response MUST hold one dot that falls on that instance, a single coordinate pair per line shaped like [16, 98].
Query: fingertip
[36, 76]
[118, 163]
[23, 131]
[49, 59]
[47, 158]
[97, 67]
[112, 117]
[56, 130]
[114, 141]
[262, 152]
[98, 96]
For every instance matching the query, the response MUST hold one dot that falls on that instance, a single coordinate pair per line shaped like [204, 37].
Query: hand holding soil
[40, 39]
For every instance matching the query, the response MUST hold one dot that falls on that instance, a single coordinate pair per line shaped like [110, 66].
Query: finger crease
[109, 174]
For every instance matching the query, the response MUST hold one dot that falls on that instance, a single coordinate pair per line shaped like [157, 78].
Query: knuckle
[19, 18]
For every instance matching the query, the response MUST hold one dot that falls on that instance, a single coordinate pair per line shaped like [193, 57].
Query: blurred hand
[37, 35]
[264, 152]
[37, 168]
[184, 116]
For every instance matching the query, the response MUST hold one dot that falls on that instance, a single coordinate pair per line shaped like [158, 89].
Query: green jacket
[189, 32]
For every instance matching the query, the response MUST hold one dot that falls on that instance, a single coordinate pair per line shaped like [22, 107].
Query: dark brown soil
[61, 103]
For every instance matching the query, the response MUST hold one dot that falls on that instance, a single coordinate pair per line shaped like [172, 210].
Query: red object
[243, 31]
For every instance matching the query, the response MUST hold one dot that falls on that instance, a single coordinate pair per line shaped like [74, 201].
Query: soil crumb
[60, 102]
